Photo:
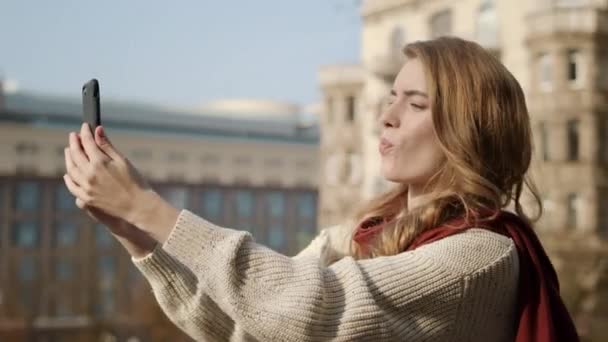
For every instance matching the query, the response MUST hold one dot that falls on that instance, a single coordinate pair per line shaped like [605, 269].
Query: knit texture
[218, 284]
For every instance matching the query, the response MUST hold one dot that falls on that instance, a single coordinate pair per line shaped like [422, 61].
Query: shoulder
[471, 251]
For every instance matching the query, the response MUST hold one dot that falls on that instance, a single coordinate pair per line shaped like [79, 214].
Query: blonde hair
[481, 121]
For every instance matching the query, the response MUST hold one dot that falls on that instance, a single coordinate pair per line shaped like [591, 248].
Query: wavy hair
[482, 124]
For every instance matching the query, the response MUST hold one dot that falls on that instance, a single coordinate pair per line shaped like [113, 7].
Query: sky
[177, 53]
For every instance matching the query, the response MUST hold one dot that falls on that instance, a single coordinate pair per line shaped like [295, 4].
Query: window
[573, 140]
[210, 159]
[602, 79]
[544, 72]
[64, 270]
[244, 203]
[176, 156]
[329, 109]
[105, 304]
[304, 236]
[574, 68]
[66, 234]
[176, 195]
[242, 161]
[27, 196]
[106, 271]
[28, 268]
[212, 203]
[548, 203]
[603, 139]
[274, 162]
[544, 140]
[276, 238]
[64, 199]
[350, 108]
[26, 234]
[602, 212]
[26, 148]
[306, 205]
[398, 40]
[103, 239]
[441, 24]
[276, 204]
[572, 207]
[487, 25]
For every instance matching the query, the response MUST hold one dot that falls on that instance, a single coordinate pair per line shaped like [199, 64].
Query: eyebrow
[410, 93]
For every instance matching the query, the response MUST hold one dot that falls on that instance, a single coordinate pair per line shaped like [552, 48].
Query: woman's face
[409, 150]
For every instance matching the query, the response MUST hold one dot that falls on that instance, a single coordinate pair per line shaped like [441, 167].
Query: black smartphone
[91, 110]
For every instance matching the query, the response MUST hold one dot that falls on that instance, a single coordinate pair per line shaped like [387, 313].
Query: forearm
[138, 244]
[153, 215]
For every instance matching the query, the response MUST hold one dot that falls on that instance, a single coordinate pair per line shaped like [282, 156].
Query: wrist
[154, 215]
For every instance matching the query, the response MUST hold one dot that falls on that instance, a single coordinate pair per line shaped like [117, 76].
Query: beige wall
[173, 157]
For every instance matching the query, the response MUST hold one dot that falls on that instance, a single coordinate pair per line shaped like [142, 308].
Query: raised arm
[209, 279]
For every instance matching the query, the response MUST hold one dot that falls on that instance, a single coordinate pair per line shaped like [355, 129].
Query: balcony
[559, 20]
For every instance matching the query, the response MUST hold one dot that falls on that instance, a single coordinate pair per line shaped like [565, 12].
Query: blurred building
[558, 50]
[244, 164]
[341, 145]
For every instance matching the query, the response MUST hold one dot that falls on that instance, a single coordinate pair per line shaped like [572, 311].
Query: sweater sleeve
[218, 284]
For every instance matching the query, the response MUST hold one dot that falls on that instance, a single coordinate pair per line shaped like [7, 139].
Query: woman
[435, 259]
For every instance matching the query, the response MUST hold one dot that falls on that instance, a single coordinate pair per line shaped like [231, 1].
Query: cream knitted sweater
[218, 284]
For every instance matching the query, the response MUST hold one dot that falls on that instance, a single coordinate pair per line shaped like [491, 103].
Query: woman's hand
[100, 177]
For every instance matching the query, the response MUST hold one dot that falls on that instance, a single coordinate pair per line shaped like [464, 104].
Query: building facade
[557, 51]
[247, 165]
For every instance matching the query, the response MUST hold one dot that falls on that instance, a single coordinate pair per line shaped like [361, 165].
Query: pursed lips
[384, 146]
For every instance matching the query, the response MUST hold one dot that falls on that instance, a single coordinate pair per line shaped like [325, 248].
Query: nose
[388, 117]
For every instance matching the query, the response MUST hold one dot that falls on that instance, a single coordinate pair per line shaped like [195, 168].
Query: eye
[417, 107]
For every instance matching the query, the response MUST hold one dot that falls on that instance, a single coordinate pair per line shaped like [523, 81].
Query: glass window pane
[306, 205]
[276, 203]
[64, 199]
[27, 196]
[573, 139]
[304, 238]
[105, 303]
[177, 196]
[106, 269]
[244, 203]
[26, 234]
[212, 202]
[276, 238]
[66, 234]
[103, 238]
[64, 269]
[28, 268]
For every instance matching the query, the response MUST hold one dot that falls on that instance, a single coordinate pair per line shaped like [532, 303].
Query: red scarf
[542, 315]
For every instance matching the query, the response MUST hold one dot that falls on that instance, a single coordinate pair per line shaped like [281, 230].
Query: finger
[72, 169]
[105, 144]
[78, 155]
[80, 203]
[89, 145]
[75, 190]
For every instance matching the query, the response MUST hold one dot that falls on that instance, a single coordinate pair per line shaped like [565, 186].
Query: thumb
[104, 143]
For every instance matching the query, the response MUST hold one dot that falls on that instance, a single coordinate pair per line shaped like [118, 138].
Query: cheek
[416, 159]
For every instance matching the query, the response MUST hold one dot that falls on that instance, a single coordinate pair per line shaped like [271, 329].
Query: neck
[416, 197]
